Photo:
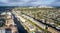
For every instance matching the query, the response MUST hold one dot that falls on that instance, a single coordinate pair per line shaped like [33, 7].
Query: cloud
[28, 2]
[55, 3]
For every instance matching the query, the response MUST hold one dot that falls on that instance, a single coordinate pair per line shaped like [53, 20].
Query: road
[19, 26]
[41, 22]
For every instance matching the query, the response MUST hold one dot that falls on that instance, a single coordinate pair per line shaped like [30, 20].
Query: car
[52, 24]
[58, 27]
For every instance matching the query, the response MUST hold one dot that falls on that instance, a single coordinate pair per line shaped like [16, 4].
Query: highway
[44, 24]
[27, 23]
[37, 22]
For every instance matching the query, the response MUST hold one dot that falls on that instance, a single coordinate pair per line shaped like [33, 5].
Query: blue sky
[29, 2]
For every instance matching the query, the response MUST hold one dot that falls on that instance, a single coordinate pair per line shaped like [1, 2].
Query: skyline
[29, 2]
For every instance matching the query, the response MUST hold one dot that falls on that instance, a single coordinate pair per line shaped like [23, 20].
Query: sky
[29, 2]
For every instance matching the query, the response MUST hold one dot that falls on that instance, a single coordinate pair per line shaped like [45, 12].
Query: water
[19, 26]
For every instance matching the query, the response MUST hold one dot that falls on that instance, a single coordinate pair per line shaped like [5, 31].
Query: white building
[2, 30]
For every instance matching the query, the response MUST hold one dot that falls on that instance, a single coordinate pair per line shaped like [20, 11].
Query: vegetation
[51, 15]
